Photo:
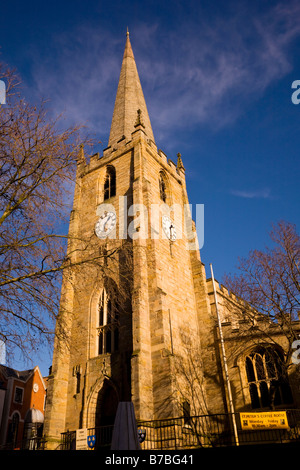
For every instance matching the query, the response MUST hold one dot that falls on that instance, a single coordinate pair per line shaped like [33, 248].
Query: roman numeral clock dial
[169, 228]
[105, 224]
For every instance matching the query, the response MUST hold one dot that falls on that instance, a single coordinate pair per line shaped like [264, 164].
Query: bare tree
[269, 286]
[37, 168]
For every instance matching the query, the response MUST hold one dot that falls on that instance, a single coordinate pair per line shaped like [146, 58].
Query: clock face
[169, 228]
[105, 224]
[35, 387]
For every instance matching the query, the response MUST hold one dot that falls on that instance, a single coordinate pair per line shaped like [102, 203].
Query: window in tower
[186, 408]
[108, 332]
[110, 183]
[77, 377]
[267, 382]
[162, 188]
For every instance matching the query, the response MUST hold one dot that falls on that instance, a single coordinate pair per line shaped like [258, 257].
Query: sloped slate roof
[20, 375]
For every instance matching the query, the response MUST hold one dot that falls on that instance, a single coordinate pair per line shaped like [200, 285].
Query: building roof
[20, 375]
[130, 106]
[23, 375]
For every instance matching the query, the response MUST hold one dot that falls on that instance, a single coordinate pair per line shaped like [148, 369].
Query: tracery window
[110, 183]
[267, 380]
[108, 332]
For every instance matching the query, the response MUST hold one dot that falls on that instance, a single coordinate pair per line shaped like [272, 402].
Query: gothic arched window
[267, 381]
[108, 332]
[162, 187]
[110, 182]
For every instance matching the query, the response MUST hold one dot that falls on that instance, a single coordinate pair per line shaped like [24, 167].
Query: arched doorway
[101, 412]
[107, 404]
[102, 404]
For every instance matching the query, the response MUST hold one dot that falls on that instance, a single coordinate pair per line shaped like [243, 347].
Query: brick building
[22, 403]
[138, 313]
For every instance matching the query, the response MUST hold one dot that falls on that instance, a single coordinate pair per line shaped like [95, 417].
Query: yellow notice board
[267, 420]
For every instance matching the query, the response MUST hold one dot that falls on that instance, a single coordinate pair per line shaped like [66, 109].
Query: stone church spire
[130, 103]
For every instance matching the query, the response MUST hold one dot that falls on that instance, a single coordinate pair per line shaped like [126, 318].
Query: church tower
[134, 322]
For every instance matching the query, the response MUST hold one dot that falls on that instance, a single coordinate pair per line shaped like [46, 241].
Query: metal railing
[195, 432]
[34, 443]
[213, 431]
[103, 438]
[183, 433]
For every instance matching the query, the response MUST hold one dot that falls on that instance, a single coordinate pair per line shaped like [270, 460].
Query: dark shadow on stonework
[107, 404]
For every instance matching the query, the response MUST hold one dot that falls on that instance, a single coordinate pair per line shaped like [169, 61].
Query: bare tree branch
[269, 283]
[37, 168]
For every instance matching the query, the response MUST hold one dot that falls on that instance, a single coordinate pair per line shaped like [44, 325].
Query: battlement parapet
[236, 313]
[233, 310]
[173, 167]
[123, 145]
[163, 156]
[225, 293]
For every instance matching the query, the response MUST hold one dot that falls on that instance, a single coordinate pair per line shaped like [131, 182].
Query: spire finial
[127, 34]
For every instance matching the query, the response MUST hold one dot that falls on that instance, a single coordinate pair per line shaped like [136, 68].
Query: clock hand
[107, 222]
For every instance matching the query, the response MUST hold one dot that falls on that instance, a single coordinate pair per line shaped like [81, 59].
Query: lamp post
[225, 361]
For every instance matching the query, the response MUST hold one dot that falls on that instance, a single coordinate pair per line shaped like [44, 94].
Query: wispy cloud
[80, 77]
[217, 69]
[202, 73]
[264, 193]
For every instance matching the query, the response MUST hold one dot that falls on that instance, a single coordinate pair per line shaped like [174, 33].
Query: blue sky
[217, 80]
